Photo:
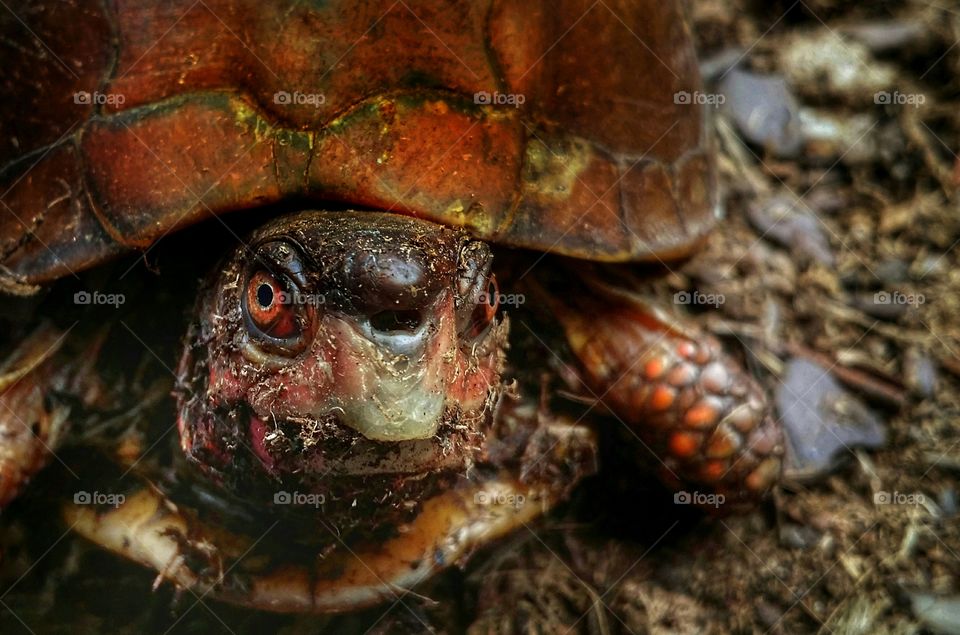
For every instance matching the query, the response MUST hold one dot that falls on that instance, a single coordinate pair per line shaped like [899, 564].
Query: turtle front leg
[39, 380]
[696, 408]
[535, 458]
[31, 427]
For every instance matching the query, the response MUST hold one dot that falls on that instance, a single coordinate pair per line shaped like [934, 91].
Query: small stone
[792, 224]
[764, 111]
[920, 372]
[769, 615]
[940, 613]
[947, 501]
[822, 419]
[822, 63]
[851, 138]
[884, 35]
[892, 270]
[798, 536]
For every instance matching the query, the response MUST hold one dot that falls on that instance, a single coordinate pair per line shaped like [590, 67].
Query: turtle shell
[564, 125]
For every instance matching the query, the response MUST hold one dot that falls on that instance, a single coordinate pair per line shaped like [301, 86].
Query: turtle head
[334, 334]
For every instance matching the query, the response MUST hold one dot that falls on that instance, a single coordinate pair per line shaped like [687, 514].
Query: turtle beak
[394, 370]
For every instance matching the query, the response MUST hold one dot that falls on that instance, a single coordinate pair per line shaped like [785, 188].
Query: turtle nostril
[393, 321]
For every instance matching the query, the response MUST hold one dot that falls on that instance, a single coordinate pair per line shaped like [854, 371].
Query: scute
[600, 161]
[50, 72]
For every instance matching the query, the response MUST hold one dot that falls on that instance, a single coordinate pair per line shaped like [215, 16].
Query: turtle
[345, 379]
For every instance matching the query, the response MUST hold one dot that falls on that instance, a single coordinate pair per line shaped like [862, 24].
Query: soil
[843, 553]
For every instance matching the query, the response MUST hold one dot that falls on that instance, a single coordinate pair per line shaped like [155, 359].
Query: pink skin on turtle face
[339, 329]
[343, 367]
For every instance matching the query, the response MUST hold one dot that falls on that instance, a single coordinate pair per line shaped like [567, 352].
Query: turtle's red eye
[271, 307]
[486, 309]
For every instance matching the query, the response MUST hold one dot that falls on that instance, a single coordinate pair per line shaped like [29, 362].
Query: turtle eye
[271, 308]
[485, 311]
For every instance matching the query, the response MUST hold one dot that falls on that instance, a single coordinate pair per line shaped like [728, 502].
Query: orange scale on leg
[682, 375]
[684, 445]
[662, 398]
[686, 349]
[713, 471]
[703, 414]
[653, 369]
